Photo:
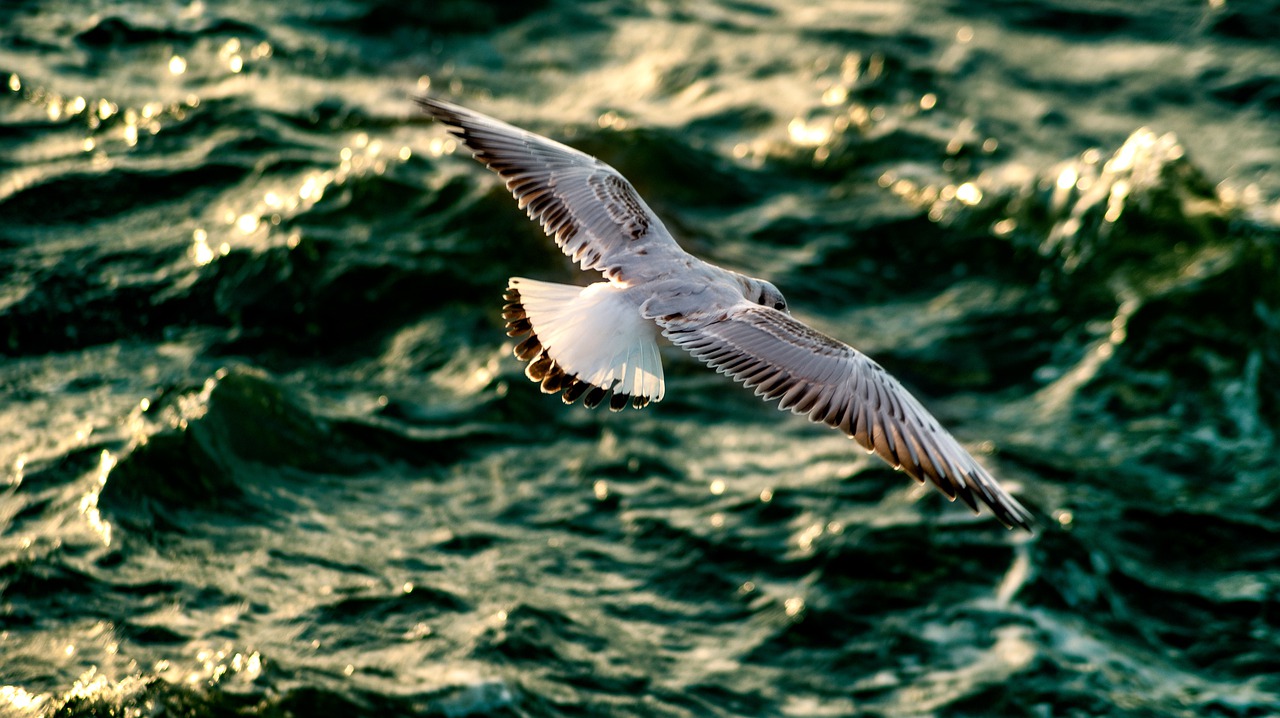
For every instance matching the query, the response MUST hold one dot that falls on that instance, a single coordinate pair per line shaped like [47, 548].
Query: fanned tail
[584, 342]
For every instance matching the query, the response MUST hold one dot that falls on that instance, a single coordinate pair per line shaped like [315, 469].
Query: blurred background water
[264, 450]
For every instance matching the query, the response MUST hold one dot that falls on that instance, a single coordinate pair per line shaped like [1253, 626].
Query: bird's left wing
[835, 384]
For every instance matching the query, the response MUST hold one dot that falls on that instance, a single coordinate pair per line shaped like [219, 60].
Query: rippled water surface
[264, 449]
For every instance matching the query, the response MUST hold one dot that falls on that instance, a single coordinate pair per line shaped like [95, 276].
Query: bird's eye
[780, 306]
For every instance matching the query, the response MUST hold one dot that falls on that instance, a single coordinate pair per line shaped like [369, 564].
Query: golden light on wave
[969, 193]
[247, 223]
[793, 606]
[1067, 179]
[612, 120]
[851, 67]
[19, 464]
[439, 146]
[177, 65]
[802, 133]
[255, 219]
[214, 666]
[313, 188]
[200, 251]
[89, 502]
[21, 700]
[15, 83]
[835, 95]
[1004, 227]
[364, 154]
[808, 536]
[1116, 200]
[230, 53]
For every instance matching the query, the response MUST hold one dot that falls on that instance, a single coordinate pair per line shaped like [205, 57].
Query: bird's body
[599, 343]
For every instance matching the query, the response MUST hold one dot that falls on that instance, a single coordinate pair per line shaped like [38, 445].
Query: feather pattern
[593, 213]
[832, 383]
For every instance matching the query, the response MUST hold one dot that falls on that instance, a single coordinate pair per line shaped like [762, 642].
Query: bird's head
[766, 295]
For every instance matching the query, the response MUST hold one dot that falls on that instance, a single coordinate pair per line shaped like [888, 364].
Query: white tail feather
[595, 334]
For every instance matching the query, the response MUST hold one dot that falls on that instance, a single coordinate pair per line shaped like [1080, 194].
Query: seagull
[599, 343]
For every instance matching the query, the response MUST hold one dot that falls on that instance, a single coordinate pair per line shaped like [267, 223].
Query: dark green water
[264, 450]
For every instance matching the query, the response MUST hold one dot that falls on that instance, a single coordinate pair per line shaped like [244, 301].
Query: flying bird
[599, 343]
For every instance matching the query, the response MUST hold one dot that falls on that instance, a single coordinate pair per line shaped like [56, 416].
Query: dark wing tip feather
[974, 488]
[453, 116]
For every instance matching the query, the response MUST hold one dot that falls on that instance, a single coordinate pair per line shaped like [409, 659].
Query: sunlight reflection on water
[917, 177]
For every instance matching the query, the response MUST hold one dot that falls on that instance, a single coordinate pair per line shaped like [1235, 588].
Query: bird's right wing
[593, 213]
[835, 384]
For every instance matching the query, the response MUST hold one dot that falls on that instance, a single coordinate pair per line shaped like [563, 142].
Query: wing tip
[435, 106]
[1011, 513]
[454, 117]
[977, 488]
